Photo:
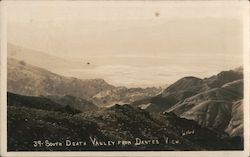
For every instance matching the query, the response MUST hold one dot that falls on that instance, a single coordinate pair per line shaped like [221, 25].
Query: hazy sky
[136, 43]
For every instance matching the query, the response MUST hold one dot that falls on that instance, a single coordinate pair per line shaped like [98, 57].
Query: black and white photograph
[125, 76]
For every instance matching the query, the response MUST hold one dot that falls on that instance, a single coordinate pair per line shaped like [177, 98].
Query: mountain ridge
[214, 106]
[26, 79]
[30, 80]
[209, 101]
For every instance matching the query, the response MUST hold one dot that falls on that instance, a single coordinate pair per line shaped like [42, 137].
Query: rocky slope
[30, 80]
[142, 130]
[235, 126]
[216, 94]
[209, 101]
[213, 108]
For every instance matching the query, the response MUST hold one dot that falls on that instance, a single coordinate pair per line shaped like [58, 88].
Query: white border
[245, 153]
[3, 40]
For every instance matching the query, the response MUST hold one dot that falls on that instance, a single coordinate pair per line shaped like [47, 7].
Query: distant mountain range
[123, 95]
[26, 79]
[198, 114]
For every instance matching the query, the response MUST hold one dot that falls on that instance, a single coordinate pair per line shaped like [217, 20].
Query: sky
[134, 44]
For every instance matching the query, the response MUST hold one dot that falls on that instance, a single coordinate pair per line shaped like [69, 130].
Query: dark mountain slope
[186, 84]
[115, 123]
[127, 122]
[38, 103]
[76, 103]
[181, 89]
[26, 125]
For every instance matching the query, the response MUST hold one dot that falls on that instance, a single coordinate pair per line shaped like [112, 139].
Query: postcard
[125, 78]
